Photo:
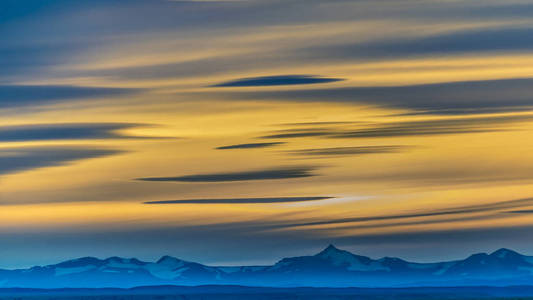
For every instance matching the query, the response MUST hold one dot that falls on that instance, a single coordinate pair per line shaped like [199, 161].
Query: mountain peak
[331, 248]
[332, 251]
[504, 252]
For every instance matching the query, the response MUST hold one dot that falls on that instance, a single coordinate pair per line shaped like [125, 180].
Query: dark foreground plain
[261, 293]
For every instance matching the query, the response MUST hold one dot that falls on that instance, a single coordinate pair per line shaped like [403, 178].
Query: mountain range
[331, 267]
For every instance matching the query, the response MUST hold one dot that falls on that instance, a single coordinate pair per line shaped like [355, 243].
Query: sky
[241, 132]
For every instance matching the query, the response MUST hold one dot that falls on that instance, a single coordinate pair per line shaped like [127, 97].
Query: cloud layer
[13, 160]
[449, 80]
[407, 128]
[32, 95]
[466, 97]
[63, 131]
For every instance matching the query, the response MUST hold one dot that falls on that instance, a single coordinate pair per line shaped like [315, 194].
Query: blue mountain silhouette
[331, 267]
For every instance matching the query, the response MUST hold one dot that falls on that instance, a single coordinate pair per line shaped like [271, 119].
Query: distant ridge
[331, 267]
[241, 292]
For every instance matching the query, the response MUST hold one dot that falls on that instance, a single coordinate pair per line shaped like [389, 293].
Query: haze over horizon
[240, 132]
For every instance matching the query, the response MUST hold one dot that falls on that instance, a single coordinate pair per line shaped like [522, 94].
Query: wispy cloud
[268, 174]
[477, 40]
[436, 127]
[276, 80]
[250, 146]
[521, 211]
[240, 200]
[466, 97]
[408, 128]
[462, 210]
[342, 151]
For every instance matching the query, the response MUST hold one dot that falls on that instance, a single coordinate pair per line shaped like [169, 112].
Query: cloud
[269, 174]
[416, 221]
[436, 127]
[13, 160]
[250, 146]
[465, 97]
[276, 80]
[409, 128]
[447, 215]
[317, 123]
[521, 211]
[25, 95]
[63, 131]
[470, 209]
[299, 133]
[338, 151]
[463, 41]
[240, 200]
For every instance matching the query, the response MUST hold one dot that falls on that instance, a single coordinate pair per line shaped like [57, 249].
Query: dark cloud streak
[14, 160]
[270, 174]
[276, 80]
[250, 146]
[522, 211]
[64, 131]
[341, 151]
[240, 200]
